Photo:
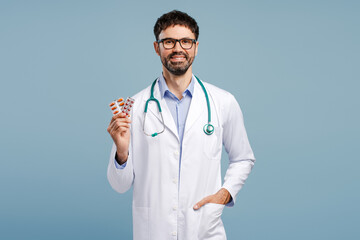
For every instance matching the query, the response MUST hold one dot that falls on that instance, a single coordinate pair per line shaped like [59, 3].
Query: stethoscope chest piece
[208, 129]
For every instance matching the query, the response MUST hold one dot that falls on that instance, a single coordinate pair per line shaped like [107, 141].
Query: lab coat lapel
[168, 119]
[197, 106]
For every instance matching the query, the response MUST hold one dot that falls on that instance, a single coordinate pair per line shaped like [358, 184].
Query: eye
[168, 41]
[186, 41]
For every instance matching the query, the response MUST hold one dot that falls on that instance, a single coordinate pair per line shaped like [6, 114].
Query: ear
[196, 47]
[156, 47]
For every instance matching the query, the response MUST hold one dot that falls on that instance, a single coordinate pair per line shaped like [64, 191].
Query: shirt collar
[164, 88]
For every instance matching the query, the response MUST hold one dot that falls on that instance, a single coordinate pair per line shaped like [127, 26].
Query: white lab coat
[163, 194]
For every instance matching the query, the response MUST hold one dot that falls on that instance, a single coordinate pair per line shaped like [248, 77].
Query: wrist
[121, 158]
[226, 195]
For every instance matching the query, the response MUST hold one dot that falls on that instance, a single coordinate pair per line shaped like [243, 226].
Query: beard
[177, 68]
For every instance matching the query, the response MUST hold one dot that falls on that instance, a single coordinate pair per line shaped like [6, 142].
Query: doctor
[176, 177]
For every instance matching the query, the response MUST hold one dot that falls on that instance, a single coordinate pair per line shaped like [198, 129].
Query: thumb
[201, 203]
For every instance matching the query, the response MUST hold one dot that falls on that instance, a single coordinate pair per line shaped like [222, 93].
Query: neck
[177, 84]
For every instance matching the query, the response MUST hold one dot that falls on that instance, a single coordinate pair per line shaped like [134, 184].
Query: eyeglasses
[185, 43]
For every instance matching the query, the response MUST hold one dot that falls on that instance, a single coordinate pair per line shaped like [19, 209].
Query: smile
[178, 58]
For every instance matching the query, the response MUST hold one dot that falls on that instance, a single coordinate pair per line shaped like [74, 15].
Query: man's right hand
[119, 130]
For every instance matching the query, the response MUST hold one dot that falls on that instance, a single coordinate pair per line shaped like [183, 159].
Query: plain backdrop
[292, 65]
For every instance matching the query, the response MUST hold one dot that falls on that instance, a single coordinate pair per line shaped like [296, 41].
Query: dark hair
[173, 18]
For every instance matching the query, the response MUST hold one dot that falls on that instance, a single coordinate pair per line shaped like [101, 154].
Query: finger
[120, 131]
[119, 127]
[118, 120]
[121, 122]
[202, 202]
[119, 116]
[114, 126]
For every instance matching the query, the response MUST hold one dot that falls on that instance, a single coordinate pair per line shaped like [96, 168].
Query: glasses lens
[186, 43]
[169, 43]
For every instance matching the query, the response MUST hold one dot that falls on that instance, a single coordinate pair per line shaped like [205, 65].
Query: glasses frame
[179, 41]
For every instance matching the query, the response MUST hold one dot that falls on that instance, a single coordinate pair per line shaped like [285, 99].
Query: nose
[177, 47]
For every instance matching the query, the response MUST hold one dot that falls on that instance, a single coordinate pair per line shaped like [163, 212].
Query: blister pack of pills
[120, 105]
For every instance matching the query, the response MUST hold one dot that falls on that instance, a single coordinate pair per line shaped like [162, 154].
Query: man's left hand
[221, 197]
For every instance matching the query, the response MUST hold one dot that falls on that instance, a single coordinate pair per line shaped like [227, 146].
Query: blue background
[292, 65]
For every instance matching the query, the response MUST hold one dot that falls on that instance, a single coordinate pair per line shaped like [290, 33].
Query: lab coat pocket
[141, 223]
[213, 144]
[211, 226]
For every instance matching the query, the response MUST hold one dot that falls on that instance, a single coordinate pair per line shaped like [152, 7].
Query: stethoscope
[208, 128]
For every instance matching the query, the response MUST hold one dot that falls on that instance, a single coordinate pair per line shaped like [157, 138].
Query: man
[172, 158]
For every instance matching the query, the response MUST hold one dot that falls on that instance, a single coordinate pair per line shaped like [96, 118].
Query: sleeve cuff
[118, 166]
[230, 204]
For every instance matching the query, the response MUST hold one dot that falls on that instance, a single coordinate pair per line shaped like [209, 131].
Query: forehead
[177, 32]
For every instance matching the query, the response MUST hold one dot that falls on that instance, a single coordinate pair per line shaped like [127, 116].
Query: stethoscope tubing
[208, 128]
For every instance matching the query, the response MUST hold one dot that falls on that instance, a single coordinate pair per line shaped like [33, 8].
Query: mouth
[178, 58]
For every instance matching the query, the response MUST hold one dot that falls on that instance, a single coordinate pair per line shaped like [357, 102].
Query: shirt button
[174, 180]
[173, 233]
[174, 208]
[176, 153]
